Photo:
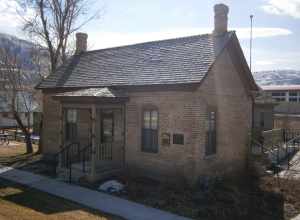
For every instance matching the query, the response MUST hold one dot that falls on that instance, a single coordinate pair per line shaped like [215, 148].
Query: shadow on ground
[38, 201]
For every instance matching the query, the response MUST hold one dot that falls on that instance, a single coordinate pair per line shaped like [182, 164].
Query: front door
[71, 128]
[107, 126]
[107, 135]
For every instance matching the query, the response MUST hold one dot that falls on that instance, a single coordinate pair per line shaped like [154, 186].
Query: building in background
[29, 114]
[287, 110]
[263, 114]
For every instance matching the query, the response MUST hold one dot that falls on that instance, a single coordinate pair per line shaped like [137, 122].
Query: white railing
[104, 151]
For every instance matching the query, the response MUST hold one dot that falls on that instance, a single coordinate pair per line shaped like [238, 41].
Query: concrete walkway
[89, 198]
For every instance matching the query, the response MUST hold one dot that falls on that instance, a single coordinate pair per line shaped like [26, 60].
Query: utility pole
[251, 20]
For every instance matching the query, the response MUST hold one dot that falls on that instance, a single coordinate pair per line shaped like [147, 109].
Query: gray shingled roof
[174, 61]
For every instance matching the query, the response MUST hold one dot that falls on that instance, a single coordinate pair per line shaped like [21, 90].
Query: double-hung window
[211, 137]
[150, 131]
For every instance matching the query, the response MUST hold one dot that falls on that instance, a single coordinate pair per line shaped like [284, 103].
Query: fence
[279, 144]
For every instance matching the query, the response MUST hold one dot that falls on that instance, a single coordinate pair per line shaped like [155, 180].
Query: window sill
[210, 157]
[149, 152]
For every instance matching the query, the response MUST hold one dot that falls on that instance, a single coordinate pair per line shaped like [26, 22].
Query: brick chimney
[221, 19]
[81, 42]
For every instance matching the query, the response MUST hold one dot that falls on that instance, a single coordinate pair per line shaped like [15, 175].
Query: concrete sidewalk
[89, 198]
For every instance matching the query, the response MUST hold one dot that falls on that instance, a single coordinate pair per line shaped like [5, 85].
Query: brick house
[170, 109]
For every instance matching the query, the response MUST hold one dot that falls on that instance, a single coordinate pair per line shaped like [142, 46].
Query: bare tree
[18, 89]
[40, 61]
[54, 22]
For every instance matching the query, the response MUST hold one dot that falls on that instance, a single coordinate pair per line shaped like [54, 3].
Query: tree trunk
[29, 148]
[26, 132]
[40, 150]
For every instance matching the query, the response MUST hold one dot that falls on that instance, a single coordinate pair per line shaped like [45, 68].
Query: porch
[92, 134]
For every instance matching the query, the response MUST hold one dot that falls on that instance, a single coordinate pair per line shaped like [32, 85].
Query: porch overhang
[93, 95]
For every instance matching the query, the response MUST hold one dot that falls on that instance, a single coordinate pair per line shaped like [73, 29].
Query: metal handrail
[293, 139]
[83, 152]
[66, 147]
[65, 152]
[289, 141]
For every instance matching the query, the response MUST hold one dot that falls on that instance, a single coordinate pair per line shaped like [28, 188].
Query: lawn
[18, 202]
[14, 154]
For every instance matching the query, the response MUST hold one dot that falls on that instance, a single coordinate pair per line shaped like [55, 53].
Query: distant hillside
[10, 39]
[25, 50]
[277, 77]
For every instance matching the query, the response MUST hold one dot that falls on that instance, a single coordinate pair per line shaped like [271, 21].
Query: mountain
[26, 52]
[277, 77]
[6, 39]
[19, 47]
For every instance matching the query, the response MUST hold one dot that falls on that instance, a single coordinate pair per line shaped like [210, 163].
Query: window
[293, 99]
[278, 93]
[71, 125]
[150, 131]
[278, 96]
[178, 139]
[211, 142]
[293, 96]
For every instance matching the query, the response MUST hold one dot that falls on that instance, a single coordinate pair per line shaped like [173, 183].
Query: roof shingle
[175, 61]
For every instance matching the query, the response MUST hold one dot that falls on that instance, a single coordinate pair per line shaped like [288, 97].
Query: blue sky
[276, 25]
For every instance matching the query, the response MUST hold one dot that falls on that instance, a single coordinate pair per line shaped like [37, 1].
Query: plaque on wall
[178, 139]
[165, 139]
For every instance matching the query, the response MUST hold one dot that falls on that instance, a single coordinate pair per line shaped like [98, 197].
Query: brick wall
[223, 89]
[51, 124]
[176, 115]
[186, 113]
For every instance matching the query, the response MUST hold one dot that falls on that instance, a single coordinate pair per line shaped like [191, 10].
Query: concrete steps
[102, 171]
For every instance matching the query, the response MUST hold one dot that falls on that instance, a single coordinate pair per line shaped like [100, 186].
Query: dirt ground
[248, 198]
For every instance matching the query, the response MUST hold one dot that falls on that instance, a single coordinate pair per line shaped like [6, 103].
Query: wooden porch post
[93, 136]
[61, 127]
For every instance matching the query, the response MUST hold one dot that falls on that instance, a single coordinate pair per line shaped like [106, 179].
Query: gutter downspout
[124, 134]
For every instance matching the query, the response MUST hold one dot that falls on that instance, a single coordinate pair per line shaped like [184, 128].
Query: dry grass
[246, 198]
[290, 191]
[14, 154]
[18, 202]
